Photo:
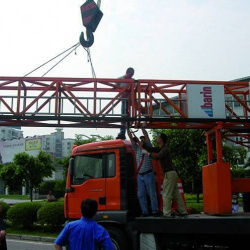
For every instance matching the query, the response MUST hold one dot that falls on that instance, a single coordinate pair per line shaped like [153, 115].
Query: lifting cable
[74, 46]
[72, 49]
[90, 60]
[61, 59]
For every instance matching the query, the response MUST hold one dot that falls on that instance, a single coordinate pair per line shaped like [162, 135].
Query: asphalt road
[13, 244]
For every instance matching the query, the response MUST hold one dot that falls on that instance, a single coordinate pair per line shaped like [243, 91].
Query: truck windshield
[92, 167]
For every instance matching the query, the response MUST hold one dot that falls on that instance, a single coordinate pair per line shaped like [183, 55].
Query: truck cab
[106, 171]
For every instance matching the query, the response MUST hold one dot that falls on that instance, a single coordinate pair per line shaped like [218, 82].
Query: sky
[164, 39]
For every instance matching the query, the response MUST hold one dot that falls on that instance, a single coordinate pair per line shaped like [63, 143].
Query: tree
[79, 141]
[247, 164]
[9, 176]
[189, 153]
[234, 154]
[27, 169]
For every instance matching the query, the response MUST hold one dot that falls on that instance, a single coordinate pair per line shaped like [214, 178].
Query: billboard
[206, 101]
[9, 148]
[33, 144]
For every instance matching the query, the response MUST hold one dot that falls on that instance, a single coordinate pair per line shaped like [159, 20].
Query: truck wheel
[118, 238]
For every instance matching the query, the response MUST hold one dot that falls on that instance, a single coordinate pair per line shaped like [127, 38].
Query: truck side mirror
[71, 166]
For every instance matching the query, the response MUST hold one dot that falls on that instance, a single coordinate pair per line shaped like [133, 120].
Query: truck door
[88, 179]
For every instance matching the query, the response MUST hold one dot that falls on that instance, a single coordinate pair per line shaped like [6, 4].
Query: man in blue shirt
[85, 233]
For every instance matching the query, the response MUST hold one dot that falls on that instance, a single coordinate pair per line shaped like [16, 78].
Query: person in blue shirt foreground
[85, 233]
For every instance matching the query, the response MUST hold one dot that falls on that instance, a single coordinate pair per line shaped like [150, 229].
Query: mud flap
[148, 242]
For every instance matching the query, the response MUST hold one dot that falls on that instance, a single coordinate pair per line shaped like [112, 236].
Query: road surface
[28, 245]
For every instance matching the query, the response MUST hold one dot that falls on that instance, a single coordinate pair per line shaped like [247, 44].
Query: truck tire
[119, 238]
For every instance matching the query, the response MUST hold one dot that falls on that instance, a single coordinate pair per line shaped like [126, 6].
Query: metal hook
[90, 39]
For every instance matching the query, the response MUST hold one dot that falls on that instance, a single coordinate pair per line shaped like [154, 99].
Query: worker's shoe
[183, 215]
[156, 214]
[121, 136]
[144, 215]
[168, 216]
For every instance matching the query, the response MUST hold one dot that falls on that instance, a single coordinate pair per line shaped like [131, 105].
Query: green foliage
[189, 154]
[46, 186]
[24, 214]
[9, 175]
[240, 173]
[195, 208]
[5, 208]
[79, 141]
[27, 169]
[247, 163]
[106, 137]
[59, 190]
[234, 155]
[192, 197]
[52, 214]
[11, 196]
[65, 164]
[57, 186]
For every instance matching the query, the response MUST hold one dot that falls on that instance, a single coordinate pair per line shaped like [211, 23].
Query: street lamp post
[98, 136]
[84, 135]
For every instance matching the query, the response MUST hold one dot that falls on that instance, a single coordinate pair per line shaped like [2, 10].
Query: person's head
[161, 139]
[89, 208]
[50, 192]
[129, 73]
[142, 138]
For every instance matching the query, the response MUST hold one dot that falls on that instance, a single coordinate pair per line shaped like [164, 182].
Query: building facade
[12, 142]
[9, 133]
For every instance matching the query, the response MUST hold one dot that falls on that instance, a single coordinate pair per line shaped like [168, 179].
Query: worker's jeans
[124, 111]
[171, 192]
[146, 184]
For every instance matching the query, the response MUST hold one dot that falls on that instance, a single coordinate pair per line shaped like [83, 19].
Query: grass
[193, 198]
[19, 197]
[36, 230]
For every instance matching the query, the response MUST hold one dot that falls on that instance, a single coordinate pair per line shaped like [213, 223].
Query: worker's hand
[140, 144]
[145, 152]
[136, 140]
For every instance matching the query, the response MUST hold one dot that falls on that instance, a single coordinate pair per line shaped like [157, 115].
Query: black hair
[89, 208]
[164, 138]
[130, 70]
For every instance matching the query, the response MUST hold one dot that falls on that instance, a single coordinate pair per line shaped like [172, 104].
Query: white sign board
[9, 148]
[206, 101]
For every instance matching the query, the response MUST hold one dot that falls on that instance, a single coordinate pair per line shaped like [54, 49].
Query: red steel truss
[96, 103]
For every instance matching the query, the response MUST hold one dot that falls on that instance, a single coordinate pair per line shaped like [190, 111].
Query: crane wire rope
[72, 48]
[90, 60]
[61, 60]
[77, 44]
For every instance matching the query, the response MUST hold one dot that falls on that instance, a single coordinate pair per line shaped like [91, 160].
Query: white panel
[206, 101]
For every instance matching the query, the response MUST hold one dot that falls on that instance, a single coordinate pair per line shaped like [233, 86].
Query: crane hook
[90, 39]
[91, 16]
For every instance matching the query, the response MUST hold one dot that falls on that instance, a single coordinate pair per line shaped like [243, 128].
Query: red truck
[106, 172]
